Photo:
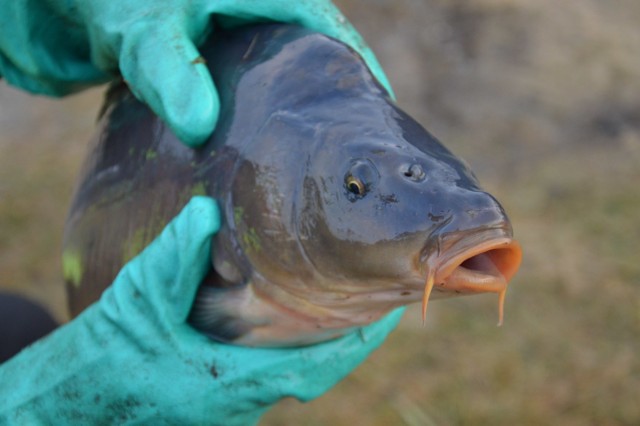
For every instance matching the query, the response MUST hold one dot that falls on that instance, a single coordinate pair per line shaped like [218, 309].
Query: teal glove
[57, 47]
[131, 357]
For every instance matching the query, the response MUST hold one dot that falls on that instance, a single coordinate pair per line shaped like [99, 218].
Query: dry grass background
[542, 98]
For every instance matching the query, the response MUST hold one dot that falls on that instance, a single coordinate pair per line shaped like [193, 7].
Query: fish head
[387, 213]
[343, 207]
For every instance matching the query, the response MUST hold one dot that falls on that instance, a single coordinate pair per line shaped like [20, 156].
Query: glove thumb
[167, 274]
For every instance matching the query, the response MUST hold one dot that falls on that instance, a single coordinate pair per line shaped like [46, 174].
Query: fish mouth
[482, 263]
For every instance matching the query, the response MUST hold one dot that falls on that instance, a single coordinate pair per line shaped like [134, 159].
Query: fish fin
[215, 312]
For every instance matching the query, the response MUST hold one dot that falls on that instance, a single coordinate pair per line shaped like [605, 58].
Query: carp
[337, 206]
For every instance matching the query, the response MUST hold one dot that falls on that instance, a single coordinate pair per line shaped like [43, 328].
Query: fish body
[337, 206]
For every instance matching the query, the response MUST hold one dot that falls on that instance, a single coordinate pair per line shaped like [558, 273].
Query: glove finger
[167, 274]
[308, 372]
[164, 69]
[379, 330]
[326, 18]
[319, 15]
[343, 355]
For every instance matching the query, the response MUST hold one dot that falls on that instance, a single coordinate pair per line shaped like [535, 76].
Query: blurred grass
[543, 100]
[42, 143]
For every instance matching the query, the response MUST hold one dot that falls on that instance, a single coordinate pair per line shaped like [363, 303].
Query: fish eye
[355, 186]
[361, 177]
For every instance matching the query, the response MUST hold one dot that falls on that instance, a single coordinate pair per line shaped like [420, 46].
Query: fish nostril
[415, 173]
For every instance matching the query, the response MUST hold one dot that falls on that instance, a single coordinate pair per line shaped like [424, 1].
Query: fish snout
[476, 238]
[483, 267]
[484, 264]
[472, 252]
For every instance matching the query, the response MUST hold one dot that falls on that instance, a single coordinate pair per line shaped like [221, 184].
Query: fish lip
[490, 241]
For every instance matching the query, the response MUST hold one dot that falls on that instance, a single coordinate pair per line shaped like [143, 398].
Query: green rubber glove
[57, 47]
[132, 358]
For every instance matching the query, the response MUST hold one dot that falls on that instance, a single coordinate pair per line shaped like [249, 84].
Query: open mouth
[486, 267]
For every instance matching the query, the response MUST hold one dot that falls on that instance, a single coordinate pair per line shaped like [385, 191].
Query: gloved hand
[131, 357]
[57, 47]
